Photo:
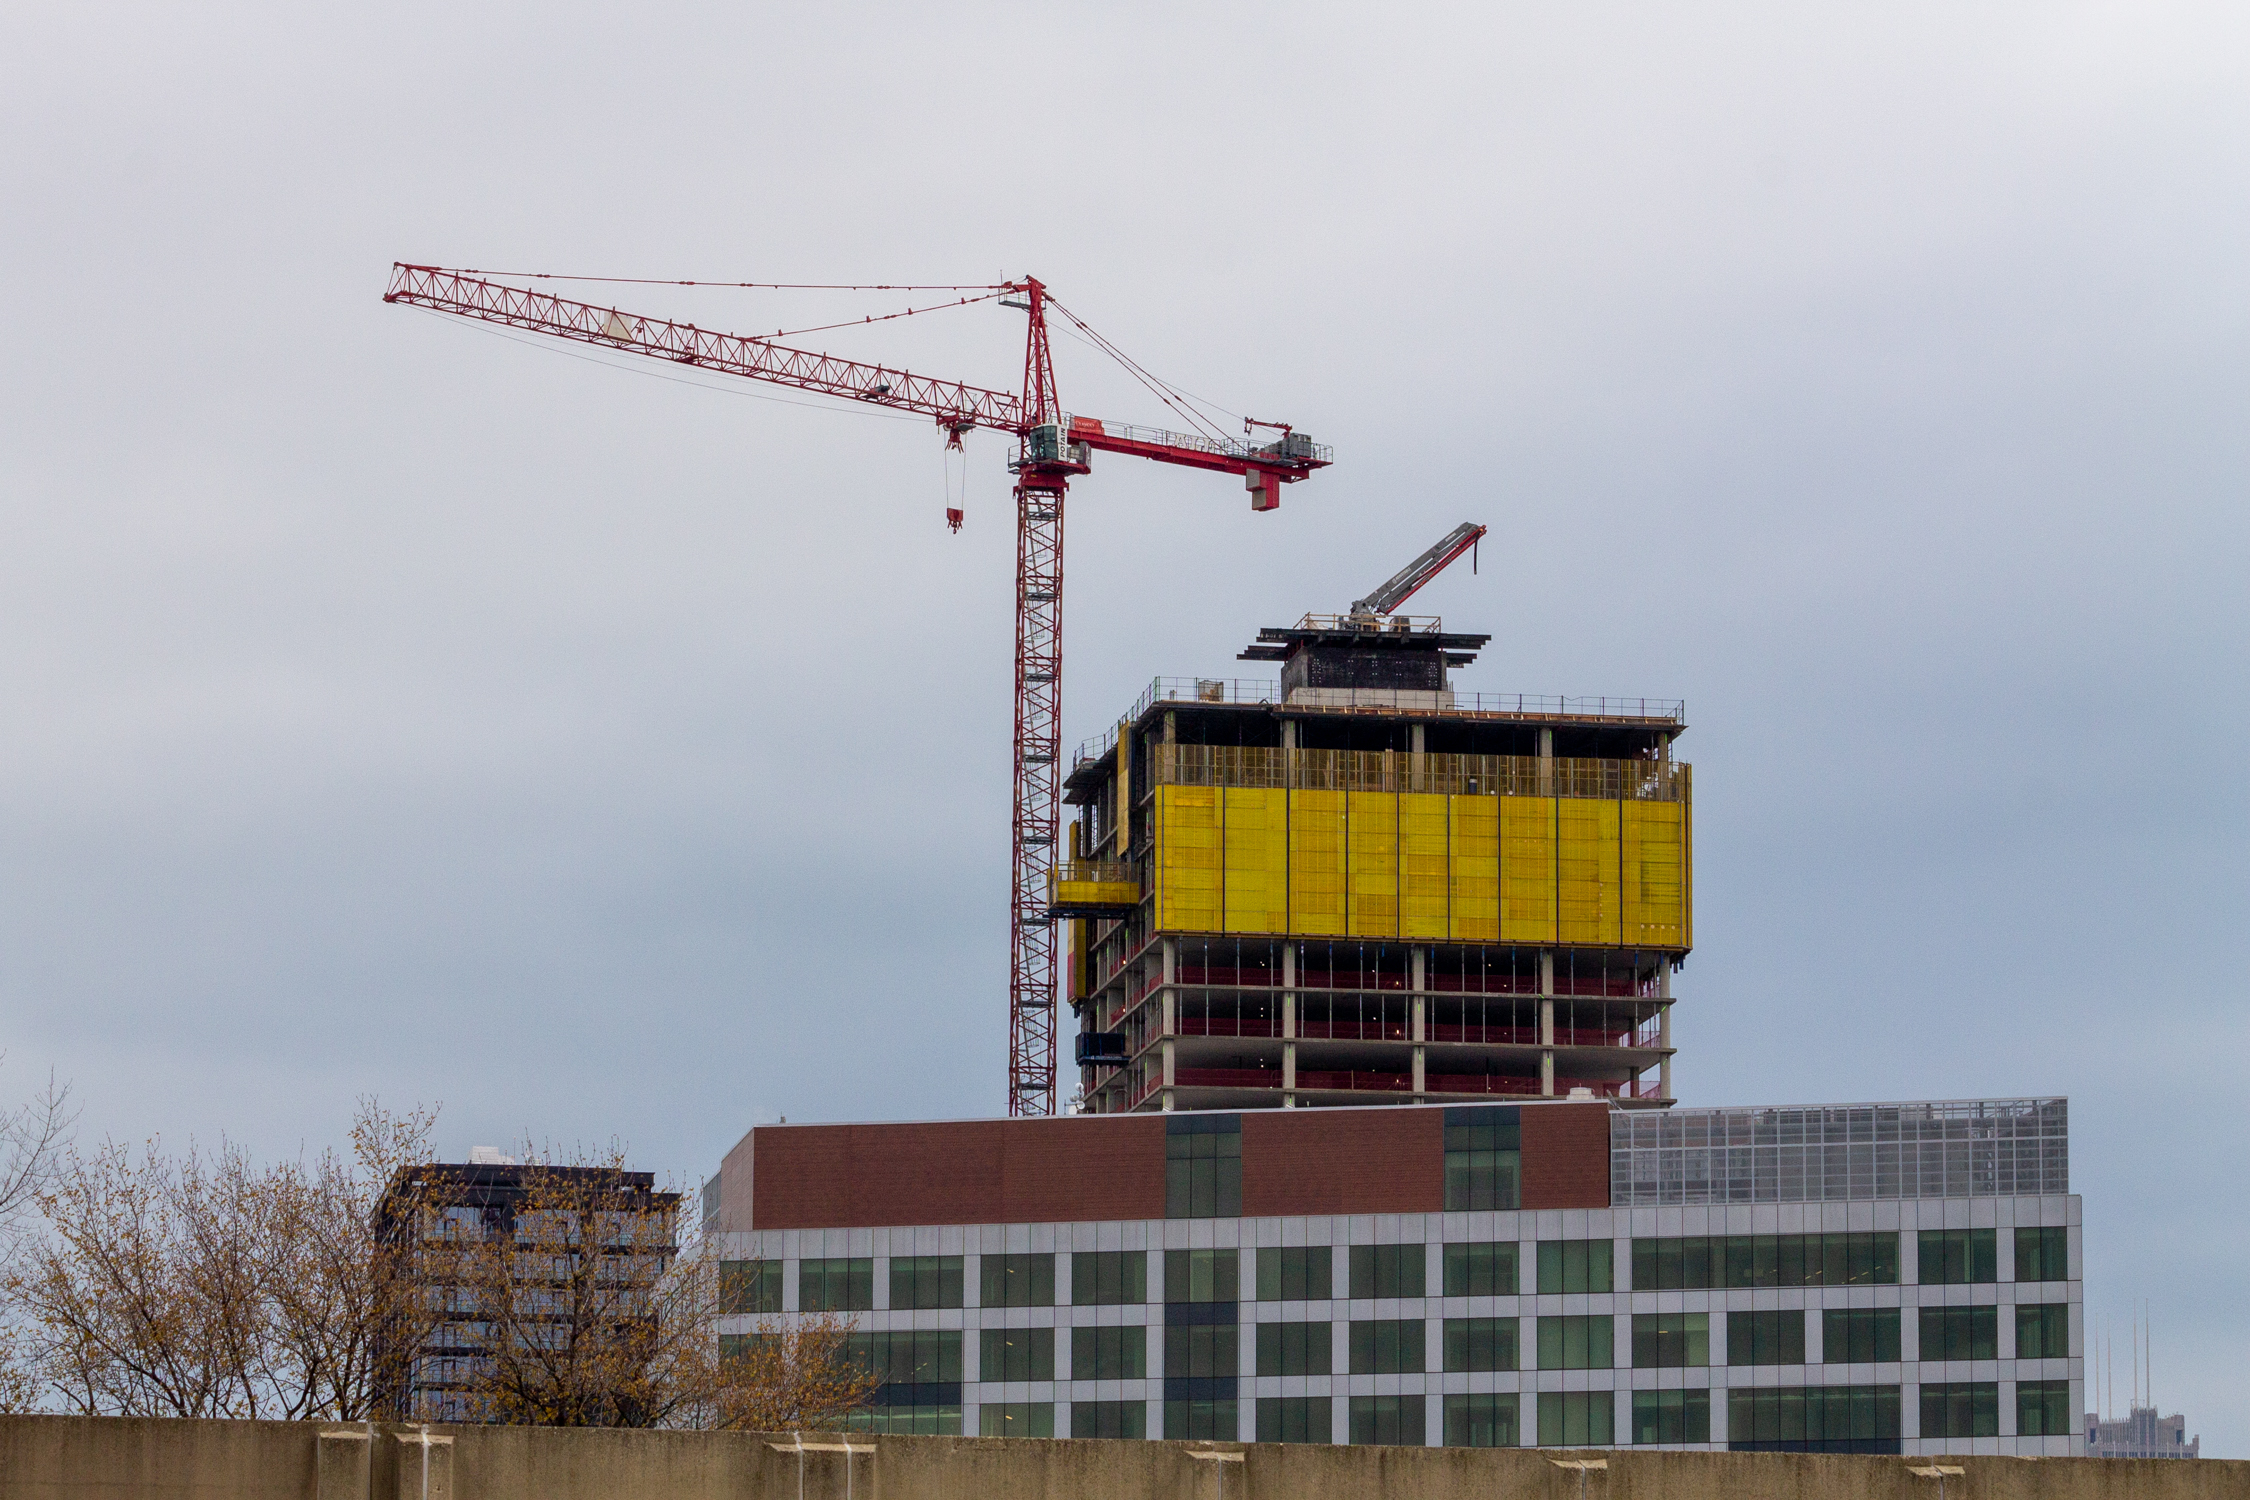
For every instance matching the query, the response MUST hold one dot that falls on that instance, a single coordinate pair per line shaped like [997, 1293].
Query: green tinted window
[1859, 1335]
[1958, 1257]
[1672, 1416]
[1201, 1351]
[1202, 1275]
[750, 1286]
[1672, 1341]
[1812, 1419]
[1388, 1346]
[2043, 1408]
[1027, 1419]
[1396, 1420]
[1967, 1409]
[908, 1356]
[1109, 1419]
[1389, 1271]
[1108, 1278]
[1483, 1159]
[1294, 1419]
[1203, 1167]
[1112, 1353]
[1481, 1270]
[1960, 1333]
[1202, 1419]
[1574, 1266]
[2043, 1254]
[1775, 1337]
[1480, 1344]
[1295, 1348]
[1296, 1273]
[925, 1281]
[1016, 1280]
[1577, 1419]
[1486, 1420]
[1710, 1262]
[836, 1285]
[2043, 1330]
[1016, 1354]
[1576, 1343]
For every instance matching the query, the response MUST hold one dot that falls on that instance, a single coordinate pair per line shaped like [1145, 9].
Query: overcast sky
[391, 707]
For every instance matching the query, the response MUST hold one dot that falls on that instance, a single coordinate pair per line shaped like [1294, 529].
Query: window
[916, 1419]
[1960, 1333]
[1389, 1271]
[1712, 1262]
[909, 1356]
[1027, 1419]
[1388, 1346]
[749, 1286]
[1814, 1419]
[1577, 1419]
[2043, 1254]
[1296, 1273]
[1295, 1419]
[1108, 1278]
[1014, 1281]
[1201, 1351]
[1483, 1158]
[1397, 1420]
[737, 1347]
[1216, 1418]
[2042, 1330]
[1108, 1354]
[1574, 1266]
[925, 1281]
[1295, 1348]
[1481, 1270]
[1109, 1419]
[1480, 1344]
[1959, 1257]
[1201, 1275]
[1776, 1337]
[1859, 1335]
[1964, 1409]
[1675, 1341]
[2043, 1408]
[1480, 1421]
[1575, 1344]
[1202, 1168]
[836, 1285]
[1672, 1416]
[1016, 1354]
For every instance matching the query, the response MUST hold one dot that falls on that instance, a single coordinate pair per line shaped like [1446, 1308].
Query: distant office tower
[2141, 1434]
[1358, 886]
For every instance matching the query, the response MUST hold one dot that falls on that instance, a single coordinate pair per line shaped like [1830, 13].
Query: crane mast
[1052, 448]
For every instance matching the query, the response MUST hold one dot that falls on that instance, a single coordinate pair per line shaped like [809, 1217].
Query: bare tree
[33, 1137]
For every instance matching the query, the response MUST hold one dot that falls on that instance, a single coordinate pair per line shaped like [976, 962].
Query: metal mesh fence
[1404, 771]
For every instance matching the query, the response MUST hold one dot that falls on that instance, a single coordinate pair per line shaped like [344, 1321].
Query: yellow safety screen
[1546, 871]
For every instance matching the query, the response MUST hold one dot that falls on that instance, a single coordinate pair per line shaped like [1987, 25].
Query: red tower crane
[1052, 448]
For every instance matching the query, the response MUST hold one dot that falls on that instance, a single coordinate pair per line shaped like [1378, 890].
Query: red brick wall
[948, 1172]
[1566, 1156]
[1343, 1161]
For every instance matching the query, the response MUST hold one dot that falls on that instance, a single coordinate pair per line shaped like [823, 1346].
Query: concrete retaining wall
[120, 1458]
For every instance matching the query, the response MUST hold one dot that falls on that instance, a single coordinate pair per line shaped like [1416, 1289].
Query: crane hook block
[953, 516]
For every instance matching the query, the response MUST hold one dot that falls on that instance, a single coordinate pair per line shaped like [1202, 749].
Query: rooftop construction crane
[1407, 581]
[1052, 448]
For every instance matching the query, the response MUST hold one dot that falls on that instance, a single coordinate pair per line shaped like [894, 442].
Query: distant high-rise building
[1358, 886]
[2141, 1434]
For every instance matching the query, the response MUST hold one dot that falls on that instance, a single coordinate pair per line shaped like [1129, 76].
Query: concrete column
[1166, 1016]
[1288, 1022]
[1171, 727]
[1546, 1002]
[1417, 968]
[1546, 763]
[1664, 1032]
[1417, 775]
[1168, 1076]
[1288, 734]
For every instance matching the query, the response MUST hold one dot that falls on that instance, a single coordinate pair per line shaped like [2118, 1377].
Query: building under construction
[1355, 885]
